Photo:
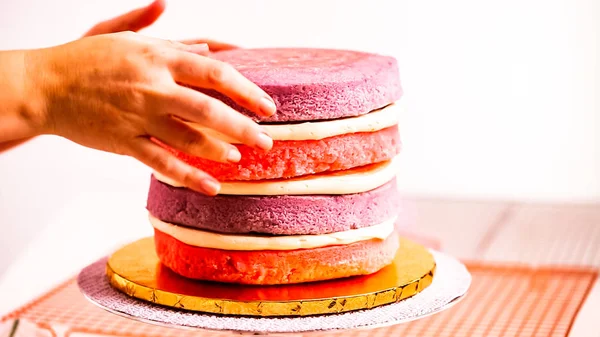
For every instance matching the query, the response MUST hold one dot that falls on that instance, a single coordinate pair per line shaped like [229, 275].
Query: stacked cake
[322, 204]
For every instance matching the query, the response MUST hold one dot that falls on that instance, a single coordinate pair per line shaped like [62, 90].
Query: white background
[502, 96]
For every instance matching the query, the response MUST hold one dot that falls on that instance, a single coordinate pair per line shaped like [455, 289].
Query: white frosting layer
[371, 122]
[200, 238]
[357, 180]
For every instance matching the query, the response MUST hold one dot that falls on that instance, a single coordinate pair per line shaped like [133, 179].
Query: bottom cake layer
[275, 267]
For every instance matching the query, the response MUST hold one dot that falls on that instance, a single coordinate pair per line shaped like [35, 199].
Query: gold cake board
[136, 270]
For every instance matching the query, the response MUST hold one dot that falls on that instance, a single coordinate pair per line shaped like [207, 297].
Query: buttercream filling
[373, 121]
[355, 180]
[247, 242]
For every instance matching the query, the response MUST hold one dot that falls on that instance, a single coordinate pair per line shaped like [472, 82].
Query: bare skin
[120, 92]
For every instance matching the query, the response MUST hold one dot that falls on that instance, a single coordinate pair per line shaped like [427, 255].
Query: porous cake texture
[288, 159]
[276, 215]
[317, 85]
[275, 267]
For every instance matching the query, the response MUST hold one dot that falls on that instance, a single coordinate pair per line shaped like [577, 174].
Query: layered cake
[321, 205]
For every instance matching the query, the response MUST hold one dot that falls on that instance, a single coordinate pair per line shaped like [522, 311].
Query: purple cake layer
[278, 215]
[316, 84]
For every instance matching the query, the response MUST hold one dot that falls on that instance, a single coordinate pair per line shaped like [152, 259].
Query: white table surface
[492, 231]
[66, 245]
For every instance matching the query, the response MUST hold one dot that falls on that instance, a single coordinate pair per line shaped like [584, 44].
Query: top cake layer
[316, 84]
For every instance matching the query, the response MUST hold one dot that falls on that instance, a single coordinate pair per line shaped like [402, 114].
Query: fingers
[165, 163]
[179, 136]
[194, 106]
[212, 44]
[198, 49]
[204, 72]
[133, 21]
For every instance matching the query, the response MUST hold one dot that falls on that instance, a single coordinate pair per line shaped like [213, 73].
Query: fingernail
[211, 187]
[234, 155]
[267, 106]
[201, 48]
[264, 142]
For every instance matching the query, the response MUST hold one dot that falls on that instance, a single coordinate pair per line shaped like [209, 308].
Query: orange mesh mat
[504, 300]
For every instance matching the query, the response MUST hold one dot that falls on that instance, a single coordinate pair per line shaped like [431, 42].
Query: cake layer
[316, 84]
[278, 215]
[355, 180]
[275, 267]
[253, 242]
[316, 130]
[288, 159]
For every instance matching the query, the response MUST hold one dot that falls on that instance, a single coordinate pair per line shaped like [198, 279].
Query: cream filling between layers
[200, 238]
[373, 121]
[355, 180]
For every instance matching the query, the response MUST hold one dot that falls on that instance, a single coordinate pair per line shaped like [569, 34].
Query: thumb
[135, 20]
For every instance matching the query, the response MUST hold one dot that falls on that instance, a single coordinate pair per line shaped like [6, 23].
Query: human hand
[143, 17]
[117, 92]
[134, 21]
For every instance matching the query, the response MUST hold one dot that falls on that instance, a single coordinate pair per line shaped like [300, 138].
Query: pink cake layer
[316, 84]
[275, 267]
[289, 159]
[278, 215]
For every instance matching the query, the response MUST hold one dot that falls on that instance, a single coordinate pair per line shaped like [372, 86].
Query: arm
[12, 144]
[18, 110]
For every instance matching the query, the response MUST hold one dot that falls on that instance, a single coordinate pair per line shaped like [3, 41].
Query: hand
[141, 18]
[117, 92]
[134, 21]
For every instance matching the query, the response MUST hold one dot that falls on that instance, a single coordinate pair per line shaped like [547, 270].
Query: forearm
[20, 108]
[5, 146]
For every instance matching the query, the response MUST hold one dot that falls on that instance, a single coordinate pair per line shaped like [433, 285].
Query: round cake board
[450, 284]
